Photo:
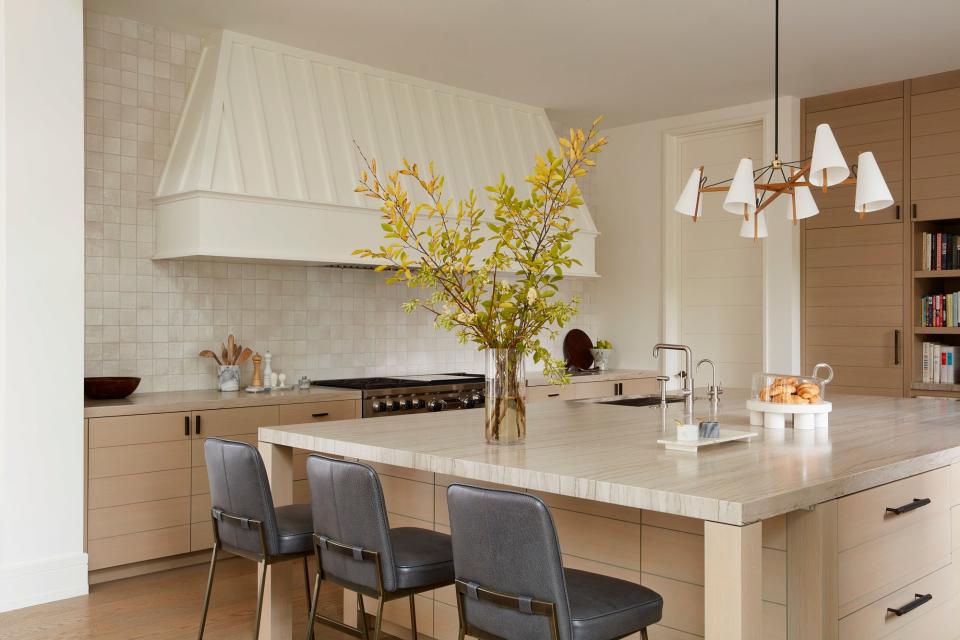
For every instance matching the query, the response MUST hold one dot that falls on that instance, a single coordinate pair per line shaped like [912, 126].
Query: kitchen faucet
[715, 390]
[687, 391]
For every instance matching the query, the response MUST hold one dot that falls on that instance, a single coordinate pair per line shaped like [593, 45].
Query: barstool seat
[602, 607]
[295, 529]
[422, 557]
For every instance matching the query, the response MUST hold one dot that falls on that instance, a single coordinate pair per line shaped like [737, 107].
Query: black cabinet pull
[320, 415]
[910, 506]
[913, 210]
[897, 347]
[918, 599]
[553, 395]
[897, 214]
[186, 425]
[196, 423]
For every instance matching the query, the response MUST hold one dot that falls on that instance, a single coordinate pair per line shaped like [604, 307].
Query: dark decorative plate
[109, 388]
[576, 349]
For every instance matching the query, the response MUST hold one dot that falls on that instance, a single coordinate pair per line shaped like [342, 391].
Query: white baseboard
[45, 580]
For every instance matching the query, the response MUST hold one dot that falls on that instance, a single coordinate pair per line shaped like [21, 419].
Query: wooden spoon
[247, 352]
[206, 353]
[231, 343]
[223, 353]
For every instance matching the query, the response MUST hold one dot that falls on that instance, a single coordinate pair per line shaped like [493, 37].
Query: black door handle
[898, 212]
[553, 395]
[319, 415]
[910, 506]
[196, 424]
[918, 599]
[186, 425]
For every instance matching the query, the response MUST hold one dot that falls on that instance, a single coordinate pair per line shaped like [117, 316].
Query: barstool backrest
[504, 541]
[348, 509]
[239, 488]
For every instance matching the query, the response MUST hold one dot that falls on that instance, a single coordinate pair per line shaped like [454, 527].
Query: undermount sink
[640, 401]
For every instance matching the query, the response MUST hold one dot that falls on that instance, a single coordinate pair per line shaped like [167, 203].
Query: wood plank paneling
[119, 490]
[134, 547]
[134, 518]
[863, 95]
[139, 458]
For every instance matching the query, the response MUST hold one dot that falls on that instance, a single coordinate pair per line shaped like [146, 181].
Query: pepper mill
[257, 373]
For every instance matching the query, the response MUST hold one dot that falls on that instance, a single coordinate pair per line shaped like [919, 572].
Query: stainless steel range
[413, 394]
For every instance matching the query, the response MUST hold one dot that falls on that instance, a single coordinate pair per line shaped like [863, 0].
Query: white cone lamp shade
[802, 204]
[827, 160]
[746, 227]
[741, 198]
[690, 203]
[872, 191]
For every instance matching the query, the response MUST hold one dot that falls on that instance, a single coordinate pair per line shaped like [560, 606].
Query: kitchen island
[795, 534]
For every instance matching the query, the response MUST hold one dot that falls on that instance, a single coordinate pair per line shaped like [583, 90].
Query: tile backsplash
[150, 318]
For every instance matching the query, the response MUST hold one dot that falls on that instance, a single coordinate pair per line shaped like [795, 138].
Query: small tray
[772, 415]
[694, 446]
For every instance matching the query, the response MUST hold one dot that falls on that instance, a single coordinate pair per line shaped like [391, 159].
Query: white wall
[41, 301]
[628, 207]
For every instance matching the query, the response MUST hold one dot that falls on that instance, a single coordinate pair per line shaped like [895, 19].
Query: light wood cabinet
[147, 489]
[580, 390]
[853, 282]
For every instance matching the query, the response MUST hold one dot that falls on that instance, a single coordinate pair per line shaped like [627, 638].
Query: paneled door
[721, 274]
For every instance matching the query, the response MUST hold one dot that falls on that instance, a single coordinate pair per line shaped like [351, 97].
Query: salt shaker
[267, 370]
[283, 380]
[274, 378]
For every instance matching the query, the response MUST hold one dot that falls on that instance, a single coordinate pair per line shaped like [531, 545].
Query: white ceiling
[631, 60]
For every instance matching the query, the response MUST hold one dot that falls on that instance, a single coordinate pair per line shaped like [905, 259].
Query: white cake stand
[772, 415]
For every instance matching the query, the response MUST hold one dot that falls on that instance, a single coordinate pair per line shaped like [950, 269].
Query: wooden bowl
[109, 388]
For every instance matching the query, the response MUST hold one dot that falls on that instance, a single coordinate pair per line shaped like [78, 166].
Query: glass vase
[505, 403]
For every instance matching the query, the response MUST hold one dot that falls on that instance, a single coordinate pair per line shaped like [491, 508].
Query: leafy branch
[497, 291]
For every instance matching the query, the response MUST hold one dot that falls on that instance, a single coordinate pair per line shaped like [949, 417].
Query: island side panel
[733, 571]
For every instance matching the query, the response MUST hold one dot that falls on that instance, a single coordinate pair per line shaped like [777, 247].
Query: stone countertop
[538, 380]
[610, 453]
[169, 401]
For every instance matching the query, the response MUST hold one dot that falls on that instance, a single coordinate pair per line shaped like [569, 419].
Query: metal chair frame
[321, 543]
[263, 559]
[508, 601]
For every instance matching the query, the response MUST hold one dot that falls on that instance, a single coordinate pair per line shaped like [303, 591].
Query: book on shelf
[940, 310]
[938, 363]
[940, 251]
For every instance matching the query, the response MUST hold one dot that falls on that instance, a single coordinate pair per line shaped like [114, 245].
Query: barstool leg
[362, 618]
[413, 618]
[643, 634]
[260, 590]
[306, 577]
[312, 620]
[376, 632]
[206, 598]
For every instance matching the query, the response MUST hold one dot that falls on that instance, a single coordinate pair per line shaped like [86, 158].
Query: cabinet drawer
[122, 430]
[136, 547]
[134, 518]
[874, 621]
[550, 392]
[141, 487]
[139, 458]
[863, 516]
[639, 386]
[231, 422]
[883, 565]
[317, 411]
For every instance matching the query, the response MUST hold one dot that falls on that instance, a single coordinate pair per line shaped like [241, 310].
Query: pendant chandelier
[751, 191]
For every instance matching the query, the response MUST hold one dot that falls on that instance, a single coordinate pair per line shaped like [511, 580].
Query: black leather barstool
[511, 583]
[245, 522]
[357, 549]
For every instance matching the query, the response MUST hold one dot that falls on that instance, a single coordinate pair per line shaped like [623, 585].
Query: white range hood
[263, 164]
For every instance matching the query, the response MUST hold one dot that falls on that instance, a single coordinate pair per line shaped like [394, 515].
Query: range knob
[435, 405]
[468, 401]
[406, 404]
[392, 405]
[379, 407]
[477, 398]
[418, 403]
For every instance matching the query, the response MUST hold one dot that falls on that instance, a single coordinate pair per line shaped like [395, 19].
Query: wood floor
[165, 606]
